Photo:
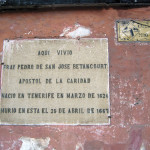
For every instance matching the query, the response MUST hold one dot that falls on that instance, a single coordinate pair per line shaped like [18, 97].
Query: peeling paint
[1, 145]
[30, 32]
[76, 31]
[34, 144]
[142, 147]
[79, 146]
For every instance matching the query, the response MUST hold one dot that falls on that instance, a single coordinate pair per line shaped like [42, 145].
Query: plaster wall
[129, 79]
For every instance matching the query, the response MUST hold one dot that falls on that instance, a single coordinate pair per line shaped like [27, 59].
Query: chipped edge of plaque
[54, 123]
[4, 47]
[109, 114]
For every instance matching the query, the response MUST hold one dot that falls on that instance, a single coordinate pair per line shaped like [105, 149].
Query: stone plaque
[133, 30]
[55, 81]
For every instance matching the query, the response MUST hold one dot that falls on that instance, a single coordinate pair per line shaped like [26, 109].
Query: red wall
[129, 79]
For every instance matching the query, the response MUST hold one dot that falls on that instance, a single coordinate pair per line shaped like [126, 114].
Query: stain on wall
[77, 31]
[34, 144]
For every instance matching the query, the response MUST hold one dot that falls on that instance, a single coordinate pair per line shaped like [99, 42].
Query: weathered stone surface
[51, 81]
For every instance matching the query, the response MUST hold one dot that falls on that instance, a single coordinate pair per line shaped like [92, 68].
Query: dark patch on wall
[65, 2]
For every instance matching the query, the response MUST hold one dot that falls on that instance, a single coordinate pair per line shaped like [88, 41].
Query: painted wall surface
[129, 80]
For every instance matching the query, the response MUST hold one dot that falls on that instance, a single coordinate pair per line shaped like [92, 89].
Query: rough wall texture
[129, 80]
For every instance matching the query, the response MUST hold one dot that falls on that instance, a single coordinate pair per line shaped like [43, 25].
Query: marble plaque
[131, 30]
[55, 81]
